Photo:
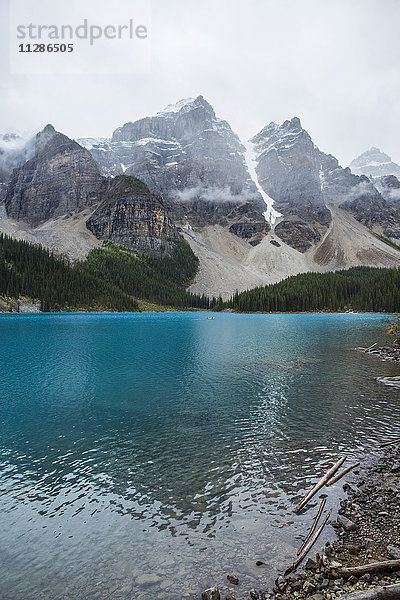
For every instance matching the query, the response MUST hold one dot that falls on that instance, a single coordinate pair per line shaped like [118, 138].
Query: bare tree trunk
[320, 484]
[317, 516]
[390, 592]
[308, 546]
[397, 441]
[340, 475]
[378, 567]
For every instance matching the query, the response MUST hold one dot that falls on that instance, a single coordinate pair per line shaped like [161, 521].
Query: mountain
[374, 163]
[60, 186]
[13, 152]
[131, 216]
[309, 187]
[289, 169]
[389, 187]
[192, 159]
[59, 179]
[253, 214]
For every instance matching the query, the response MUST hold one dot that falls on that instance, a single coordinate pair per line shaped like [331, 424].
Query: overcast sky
[333, 63]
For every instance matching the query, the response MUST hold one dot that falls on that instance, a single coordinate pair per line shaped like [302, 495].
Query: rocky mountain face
[369, 207]
[131, 215]
[59, 179]
[374, 163]
[185, 171]
[290, 170]
[307, 184]
[193, 160]
[62, 180]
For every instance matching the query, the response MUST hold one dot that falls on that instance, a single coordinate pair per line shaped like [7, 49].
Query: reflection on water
[172, 446]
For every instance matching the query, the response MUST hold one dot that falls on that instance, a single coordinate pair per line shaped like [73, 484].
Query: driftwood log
[378, 567]
[308, 546]
[341, 474]
[315, 523]
[389, 592]
[370, 348]
[397, 441]
[320, 484]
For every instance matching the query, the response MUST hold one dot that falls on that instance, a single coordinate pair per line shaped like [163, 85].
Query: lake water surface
[148, 455]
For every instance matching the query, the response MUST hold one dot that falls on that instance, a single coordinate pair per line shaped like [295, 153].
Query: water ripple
[173, 445]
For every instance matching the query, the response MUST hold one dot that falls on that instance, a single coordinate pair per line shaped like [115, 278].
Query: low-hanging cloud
[212, 194]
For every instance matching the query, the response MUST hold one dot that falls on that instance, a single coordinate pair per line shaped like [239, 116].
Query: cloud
[211, 194]
[255, 62]
[392, 195]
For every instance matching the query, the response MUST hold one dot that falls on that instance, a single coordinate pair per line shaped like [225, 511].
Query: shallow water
[148, 455]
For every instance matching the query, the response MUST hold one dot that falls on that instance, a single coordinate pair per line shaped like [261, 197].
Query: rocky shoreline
[366, 531]
[386, 353]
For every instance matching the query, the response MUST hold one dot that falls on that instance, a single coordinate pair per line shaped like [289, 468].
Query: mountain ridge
[201, 185]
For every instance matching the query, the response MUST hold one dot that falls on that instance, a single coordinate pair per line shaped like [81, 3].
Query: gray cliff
[132, 216]
[59, 179]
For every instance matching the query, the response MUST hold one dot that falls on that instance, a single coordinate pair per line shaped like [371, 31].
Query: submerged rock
[148, 579]
[394, 552]
[211, 594]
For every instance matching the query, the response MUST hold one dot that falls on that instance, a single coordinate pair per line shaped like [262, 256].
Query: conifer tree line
[366, 289]
[111, 278]
[114, 278]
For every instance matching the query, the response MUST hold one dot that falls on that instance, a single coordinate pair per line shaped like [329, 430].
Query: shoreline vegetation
[116, 279]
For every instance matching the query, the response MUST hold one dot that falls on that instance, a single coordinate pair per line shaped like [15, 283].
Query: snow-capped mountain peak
[374, 163]
[194, 160]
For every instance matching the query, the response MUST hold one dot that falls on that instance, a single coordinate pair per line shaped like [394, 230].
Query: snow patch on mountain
[271, 215]
[92, 142]
[177, 106]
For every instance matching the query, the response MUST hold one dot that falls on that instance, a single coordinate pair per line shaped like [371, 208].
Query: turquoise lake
[148, 455]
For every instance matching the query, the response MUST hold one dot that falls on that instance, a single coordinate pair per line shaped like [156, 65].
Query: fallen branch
[390, 592]
[397, 441]
[320, 484]
[317, 516]
[379, 567]
[340, 475]
[308, 546]
[370, 348]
